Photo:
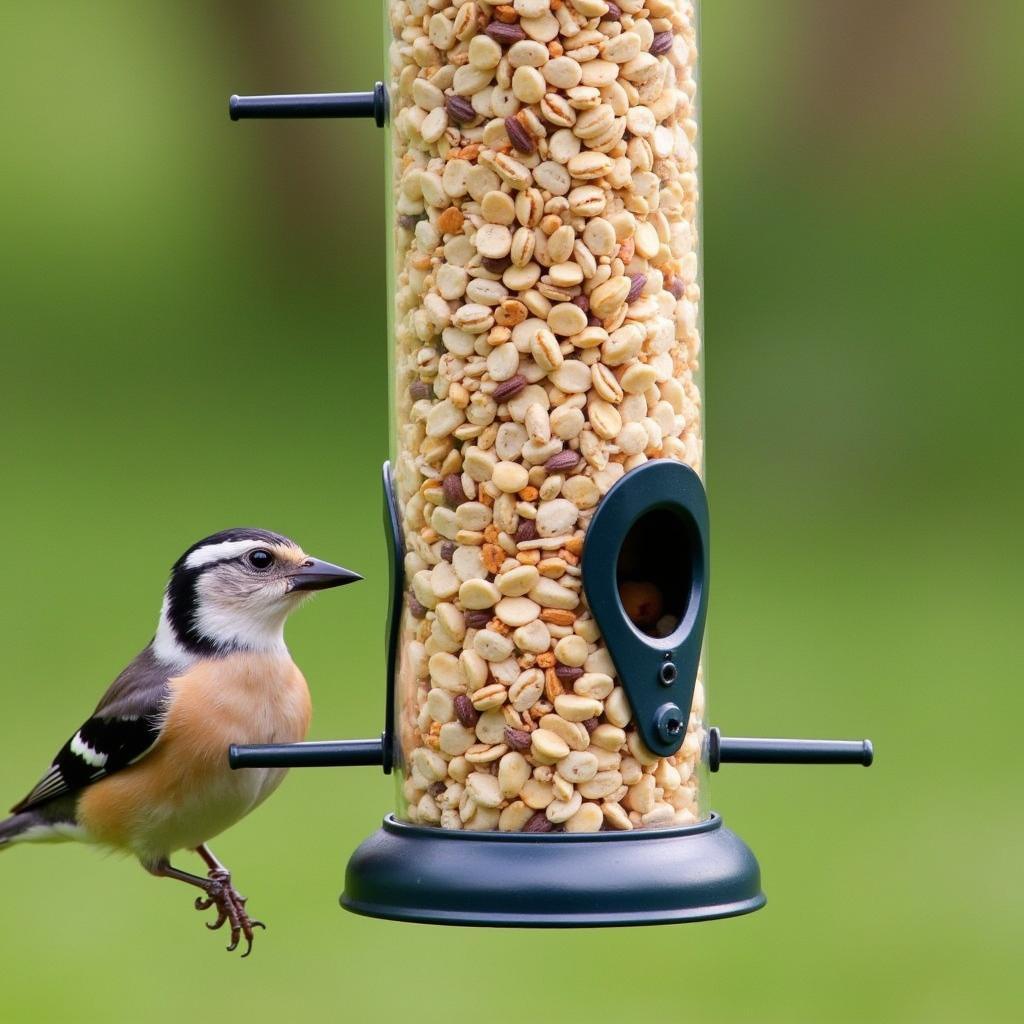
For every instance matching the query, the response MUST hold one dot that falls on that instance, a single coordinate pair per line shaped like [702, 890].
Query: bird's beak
[316, 575]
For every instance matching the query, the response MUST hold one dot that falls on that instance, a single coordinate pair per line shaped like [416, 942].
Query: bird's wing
[126, 724]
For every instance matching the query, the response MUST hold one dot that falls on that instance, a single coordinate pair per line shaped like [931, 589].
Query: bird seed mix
[547, 341]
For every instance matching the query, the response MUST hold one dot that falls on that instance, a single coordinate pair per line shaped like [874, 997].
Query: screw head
[670, 723]
[668, 673]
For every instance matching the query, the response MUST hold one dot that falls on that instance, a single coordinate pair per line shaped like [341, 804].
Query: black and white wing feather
[124, 727]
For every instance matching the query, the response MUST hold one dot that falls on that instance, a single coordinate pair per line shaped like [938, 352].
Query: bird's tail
[17, 827]
[40, 825]
[51, 822]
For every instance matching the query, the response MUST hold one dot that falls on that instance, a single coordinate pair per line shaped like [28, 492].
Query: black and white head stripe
[226, 545]
[181, 605]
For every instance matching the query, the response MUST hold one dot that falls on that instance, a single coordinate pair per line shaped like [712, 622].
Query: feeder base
[556, 880]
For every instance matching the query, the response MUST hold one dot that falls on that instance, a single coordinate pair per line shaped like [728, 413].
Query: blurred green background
[193, 336]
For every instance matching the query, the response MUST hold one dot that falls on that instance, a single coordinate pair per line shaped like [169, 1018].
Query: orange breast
[183, 793]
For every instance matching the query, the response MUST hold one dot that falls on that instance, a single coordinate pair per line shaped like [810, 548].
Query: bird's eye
[260, 559]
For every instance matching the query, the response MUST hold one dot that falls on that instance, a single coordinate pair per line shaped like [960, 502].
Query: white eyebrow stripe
[218, 552]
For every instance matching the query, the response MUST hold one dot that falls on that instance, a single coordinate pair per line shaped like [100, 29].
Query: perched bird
[148, 773]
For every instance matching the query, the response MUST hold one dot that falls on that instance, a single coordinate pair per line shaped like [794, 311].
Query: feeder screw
[669, 721]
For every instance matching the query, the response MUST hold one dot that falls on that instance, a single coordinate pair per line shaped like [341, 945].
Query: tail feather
[15, 827]
[41, 825]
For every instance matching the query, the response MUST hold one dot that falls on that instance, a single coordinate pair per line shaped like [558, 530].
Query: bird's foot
[230, 905]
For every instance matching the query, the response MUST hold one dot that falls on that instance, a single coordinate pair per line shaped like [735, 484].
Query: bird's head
[234, 590]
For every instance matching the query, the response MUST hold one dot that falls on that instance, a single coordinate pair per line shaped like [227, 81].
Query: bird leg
[232, 908]
[219, 893]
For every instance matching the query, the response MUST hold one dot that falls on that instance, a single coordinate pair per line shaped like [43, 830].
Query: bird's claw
[230, 906]
[221, 918]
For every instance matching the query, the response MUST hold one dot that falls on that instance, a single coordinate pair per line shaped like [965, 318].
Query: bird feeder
[548, 527]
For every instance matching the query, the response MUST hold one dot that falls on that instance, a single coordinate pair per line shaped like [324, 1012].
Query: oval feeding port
[645, 572]
[655, 572]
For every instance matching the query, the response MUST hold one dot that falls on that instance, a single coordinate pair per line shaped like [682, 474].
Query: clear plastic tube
[546, 339]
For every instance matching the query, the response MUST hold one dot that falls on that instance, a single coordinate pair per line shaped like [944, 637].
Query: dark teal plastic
[626, 540]
[396, 566]
[553, 880]
[770, 750]
[312, 754]
[314, 104]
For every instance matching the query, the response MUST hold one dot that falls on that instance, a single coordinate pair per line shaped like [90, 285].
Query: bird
[147, 774]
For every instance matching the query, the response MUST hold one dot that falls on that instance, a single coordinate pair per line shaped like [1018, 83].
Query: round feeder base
[556, 880]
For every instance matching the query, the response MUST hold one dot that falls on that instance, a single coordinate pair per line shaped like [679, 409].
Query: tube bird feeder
[547, 714]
